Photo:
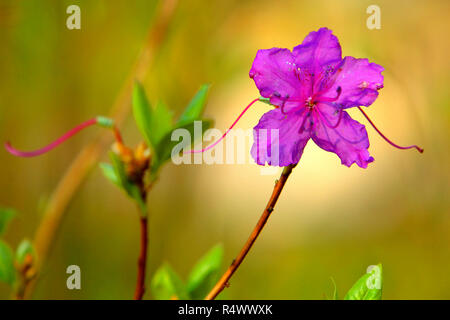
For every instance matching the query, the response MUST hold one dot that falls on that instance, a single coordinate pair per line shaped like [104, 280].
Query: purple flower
[311, 87]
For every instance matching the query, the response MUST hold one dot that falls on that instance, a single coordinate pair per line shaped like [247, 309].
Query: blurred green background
[331, 221]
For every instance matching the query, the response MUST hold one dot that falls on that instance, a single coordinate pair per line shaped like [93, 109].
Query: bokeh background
[331, 221]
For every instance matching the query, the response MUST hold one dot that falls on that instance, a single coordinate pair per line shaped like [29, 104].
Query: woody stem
[223, 281]
[142, 261]
[80, 167]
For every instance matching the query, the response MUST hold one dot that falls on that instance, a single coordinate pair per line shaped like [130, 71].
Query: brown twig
[117, 135]
[137, 162]
[86, 159]
[141, 163]
[223, 281]
[142, 261]
[26, 273]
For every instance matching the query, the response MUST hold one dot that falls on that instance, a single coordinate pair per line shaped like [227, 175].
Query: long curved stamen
[317, 98]
[282, 105]
[325, 120]
[52, 145]
[325, 126]
[226, 132]
[385, 138]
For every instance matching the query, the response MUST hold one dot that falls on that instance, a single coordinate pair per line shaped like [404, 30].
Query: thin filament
[385, 138]
[52, 145]
[329, 125]
[228, 130]
[318, 98]
[282, 105]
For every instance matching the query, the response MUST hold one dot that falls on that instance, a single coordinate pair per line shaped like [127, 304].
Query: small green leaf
[167, 285]
[119, 172]
[194, 109]
[166, 145]
[23, 249]
[143, 114]
[110, 173]
[130, 188]
[369, 286]
[205, 273]
[7, 270]
[154, 124]
[6, 214]
[162, 122]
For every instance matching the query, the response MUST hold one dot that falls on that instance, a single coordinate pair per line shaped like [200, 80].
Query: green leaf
[119, 172]
[154, 124]
[369, 286]
[7, 270]
[166, 145]
[6, 214]
[195, 107]
[157, 127]
[122, 180]
[162, 122]
[167, 285]
[23, 249]
[143, 114]
[205, 273]
[110, 173]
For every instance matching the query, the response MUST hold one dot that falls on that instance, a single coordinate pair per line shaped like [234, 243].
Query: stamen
[228, 130]
[318, 98]
[52, 145]
[282, 105]
[336, 131]
[385, 138]
[325, 120]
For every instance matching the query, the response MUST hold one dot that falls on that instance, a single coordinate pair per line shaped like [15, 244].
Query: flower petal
[276, 130]
[359, 81]
[274, 73]
[348, 139]
[319, 49]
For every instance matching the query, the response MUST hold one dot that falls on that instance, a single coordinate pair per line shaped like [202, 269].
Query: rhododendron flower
[311, 88]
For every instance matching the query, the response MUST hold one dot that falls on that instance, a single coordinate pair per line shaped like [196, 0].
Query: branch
[223, 281]
[88, 157]
[142, 261]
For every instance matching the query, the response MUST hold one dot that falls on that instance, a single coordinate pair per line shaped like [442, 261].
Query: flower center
[310, 103]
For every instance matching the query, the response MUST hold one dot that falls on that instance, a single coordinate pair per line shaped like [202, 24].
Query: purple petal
[286, 140]
[359, 81]
[274, 73]
[318, 50]
[348, 139]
